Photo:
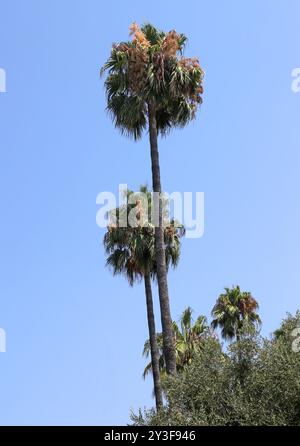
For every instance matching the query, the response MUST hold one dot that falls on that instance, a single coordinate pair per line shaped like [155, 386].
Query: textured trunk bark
[240, 361]
[153, 344]
[166, 320]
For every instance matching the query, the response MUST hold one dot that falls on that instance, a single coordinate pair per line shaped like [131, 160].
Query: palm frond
[147, 370]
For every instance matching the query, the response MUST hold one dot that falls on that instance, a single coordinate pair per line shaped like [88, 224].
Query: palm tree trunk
[166, 320]
[240, 361]
[153, 344]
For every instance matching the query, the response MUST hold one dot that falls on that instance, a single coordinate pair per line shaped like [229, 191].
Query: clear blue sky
[74, 333]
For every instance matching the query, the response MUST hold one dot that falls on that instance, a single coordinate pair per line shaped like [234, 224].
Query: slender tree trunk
[166, 320]
[239, 353]
[241, 364]
[153, 344]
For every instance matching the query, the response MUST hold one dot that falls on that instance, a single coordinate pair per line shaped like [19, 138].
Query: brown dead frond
[139, 37]
[190, 63]
[170, 44]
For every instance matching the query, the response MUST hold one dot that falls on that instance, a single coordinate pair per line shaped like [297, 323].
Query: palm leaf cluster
[131, 250]
[233, 309]
[233, 312]
[151, 69]
[189, 337]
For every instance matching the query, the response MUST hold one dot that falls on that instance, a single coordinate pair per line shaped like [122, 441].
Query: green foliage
[233, 310]
[189, 337]
[210, 390]
[131, 250]
[150, 69]
[289, 324]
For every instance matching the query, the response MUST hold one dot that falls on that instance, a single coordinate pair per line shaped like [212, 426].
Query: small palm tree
[233, 310]
[150, 85]
[189, 337]
[130, 251]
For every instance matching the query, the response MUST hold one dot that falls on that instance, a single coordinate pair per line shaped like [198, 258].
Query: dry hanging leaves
[170, 44]
[139, 37]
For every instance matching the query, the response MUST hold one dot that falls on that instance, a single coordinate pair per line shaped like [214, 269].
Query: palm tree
[189, 337]
[130, 252]
[151, 85]
[233, 309]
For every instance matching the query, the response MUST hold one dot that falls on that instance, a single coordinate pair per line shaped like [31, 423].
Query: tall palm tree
[189, 337]
[151, 85]
[232, 310]
[130, 252]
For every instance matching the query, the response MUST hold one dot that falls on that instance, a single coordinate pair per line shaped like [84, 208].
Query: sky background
[74, 333]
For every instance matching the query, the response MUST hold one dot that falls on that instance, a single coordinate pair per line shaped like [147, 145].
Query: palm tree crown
[189, 337]
[151, 69]
[131, 250]
[233, 309]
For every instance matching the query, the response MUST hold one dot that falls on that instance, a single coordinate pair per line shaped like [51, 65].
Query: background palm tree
[233, 309]
[189, 337]
[130, 252]
[150, 84]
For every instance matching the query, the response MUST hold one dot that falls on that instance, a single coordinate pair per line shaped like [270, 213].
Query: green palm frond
[128, 114]
[186, 319]
[147, 349]
[152, 34]
[147, 370]
[201, 326]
